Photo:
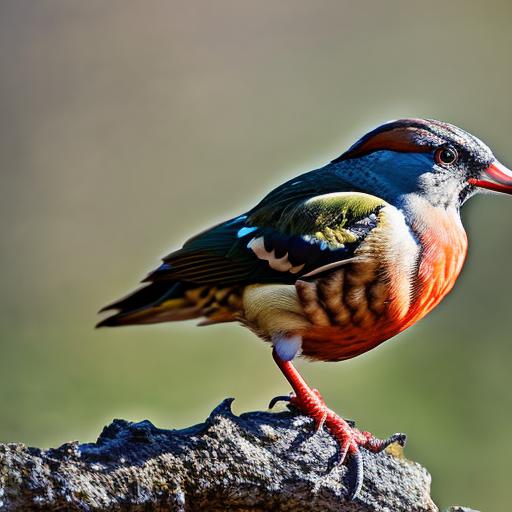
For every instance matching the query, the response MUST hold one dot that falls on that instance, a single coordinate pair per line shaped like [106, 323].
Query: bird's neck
[424, 217]
[431, 225]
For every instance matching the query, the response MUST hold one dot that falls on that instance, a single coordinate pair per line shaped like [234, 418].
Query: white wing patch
[257, 245]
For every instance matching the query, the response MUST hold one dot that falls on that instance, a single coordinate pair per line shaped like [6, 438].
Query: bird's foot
[349, 438]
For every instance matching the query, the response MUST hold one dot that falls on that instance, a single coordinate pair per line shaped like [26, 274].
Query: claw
[354, 475]
[399, 438]
[277, 399]
[377, 445]
[342, 454]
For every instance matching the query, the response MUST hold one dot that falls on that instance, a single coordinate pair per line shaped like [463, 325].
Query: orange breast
[444, 243]
[444, 247]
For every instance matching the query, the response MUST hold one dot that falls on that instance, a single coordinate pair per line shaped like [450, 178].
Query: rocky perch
[259, 461]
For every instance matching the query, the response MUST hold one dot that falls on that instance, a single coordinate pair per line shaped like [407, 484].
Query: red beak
[496, 177]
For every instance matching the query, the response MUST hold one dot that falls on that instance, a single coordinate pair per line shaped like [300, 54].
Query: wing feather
[307, 235]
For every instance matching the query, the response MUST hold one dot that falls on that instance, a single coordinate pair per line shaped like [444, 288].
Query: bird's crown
[414, 135]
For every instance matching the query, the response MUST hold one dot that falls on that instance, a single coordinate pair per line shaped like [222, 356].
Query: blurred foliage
[127, 126]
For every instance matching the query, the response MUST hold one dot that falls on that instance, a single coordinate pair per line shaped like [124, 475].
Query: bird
[335, 261]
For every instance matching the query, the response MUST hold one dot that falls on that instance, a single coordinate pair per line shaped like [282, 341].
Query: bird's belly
[349, 317]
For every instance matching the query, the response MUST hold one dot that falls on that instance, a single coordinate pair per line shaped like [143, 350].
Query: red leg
[310, 402]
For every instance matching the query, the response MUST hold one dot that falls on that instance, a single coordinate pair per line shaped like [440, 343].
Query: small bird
[334, 262]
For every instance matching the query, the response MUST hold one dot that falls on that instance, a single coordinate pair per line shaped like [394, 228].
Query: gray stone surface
[258, 461]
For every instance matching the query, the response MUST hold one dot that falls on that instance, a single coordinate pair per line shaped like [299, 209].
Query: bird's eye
[446, 155]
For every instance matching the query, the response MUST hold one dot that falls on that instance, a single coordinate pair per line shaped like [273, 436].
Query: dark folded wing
[267, 245]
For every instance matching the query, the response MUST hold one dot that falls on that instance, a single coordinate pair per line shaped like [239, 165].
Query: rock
[258, 461]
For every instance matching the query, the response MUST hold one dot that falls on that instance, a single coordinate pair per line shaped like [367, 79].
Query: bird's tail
[172, 301]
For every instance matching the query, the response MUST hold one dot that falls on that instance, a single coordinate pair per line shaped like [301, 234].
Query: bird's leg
[310, 402]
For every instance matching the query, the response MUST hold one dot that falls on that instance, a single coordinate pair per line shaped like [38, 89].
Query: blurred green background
[127, 126]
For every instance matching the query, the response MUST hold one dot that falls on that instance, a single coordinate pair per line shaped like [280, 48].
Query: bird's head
[422, 157]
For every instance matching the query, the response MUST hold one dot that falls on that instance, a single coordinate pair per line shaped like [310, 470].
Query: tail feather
[147, 305]
[171, 301]
[145, 296]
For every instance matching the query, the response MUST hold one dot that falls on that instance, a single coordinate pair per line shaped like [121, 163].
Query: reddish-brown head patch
[405, 135]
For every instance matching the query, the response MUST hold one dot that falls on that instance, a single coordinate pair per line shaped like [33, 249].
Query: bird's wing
[300, 238]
